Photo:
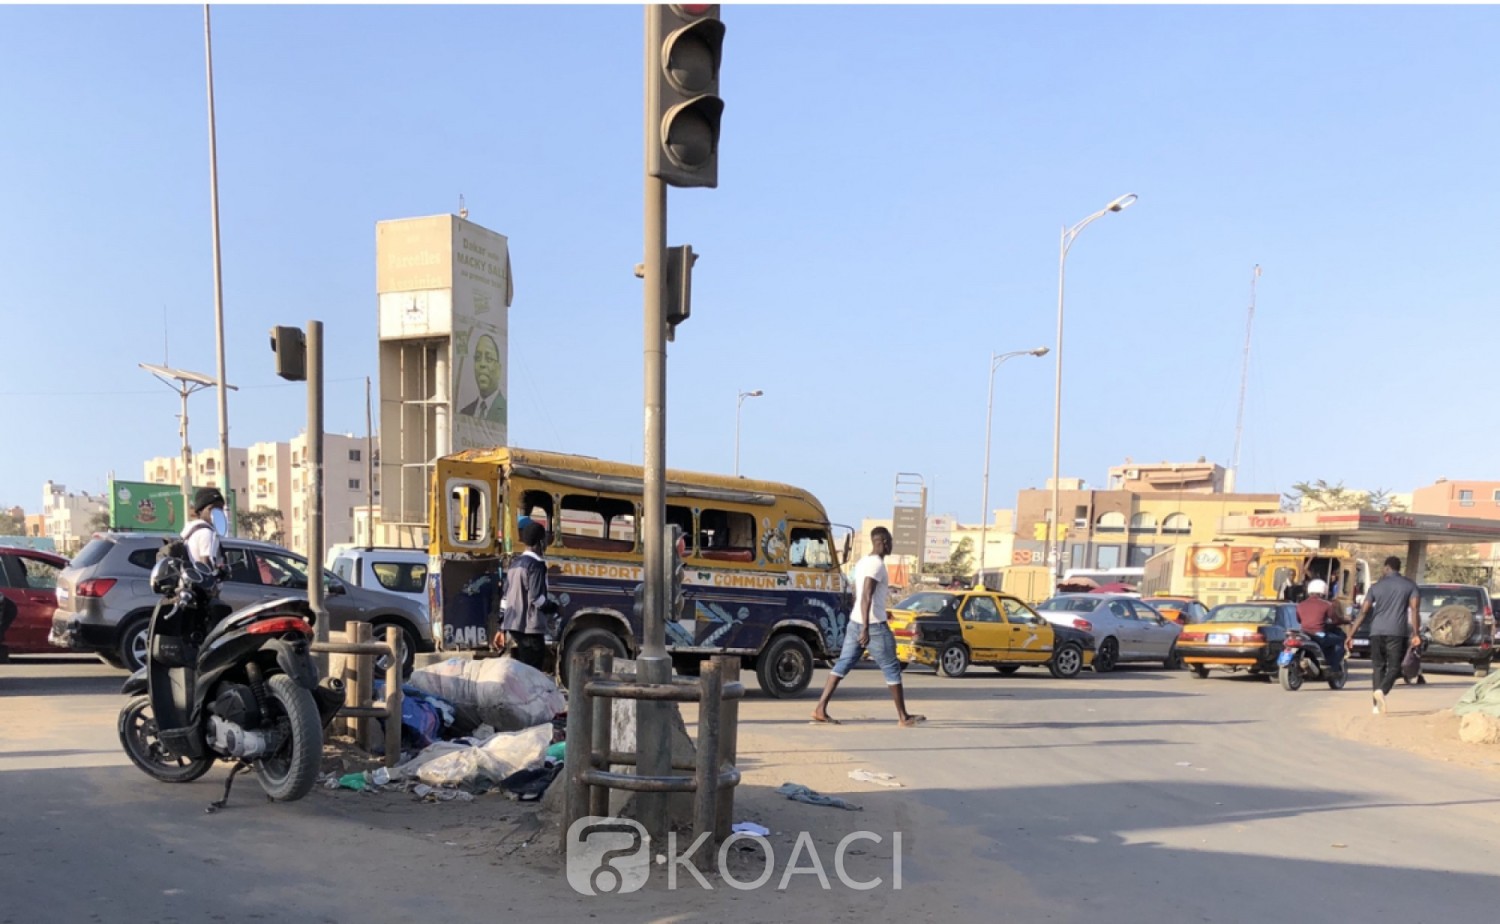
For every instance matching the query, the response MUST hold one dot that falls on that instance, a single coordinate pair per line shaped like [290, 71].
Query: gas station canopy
[1330, 527]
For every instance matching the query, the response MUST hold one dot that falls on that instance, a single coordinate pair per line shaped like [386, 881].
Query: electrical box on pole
[679, 293]
[683, 108]
[290, 346]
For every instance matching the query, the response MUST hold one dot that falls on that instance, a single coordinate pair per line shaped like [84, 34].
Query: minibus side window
[726, 535]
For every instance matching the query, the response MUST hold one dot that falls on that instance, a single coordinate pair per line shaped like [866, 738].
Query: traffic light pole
[313, 479]
[653, 747]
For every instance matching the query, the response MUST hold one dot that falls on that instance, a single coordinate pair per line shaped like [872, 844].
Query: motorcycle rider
[1320, 619]
[201, 534]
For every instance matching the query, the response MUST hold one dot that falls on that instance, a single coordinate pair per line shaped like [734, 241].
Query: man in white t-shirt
[201, 535]
[869, 630]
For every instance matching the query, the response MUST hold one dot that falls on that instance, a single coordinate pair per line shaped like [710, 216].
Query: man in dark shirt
[526, 605]
[1394, 628]
[1320, 619]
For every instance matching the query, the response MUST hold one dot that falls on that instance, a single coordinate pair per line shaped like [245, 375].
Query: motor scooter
[239, 686]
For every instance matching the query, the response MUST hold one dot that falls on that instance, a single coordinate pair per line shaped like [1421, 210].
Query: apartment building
[274, 476]
[70, 515]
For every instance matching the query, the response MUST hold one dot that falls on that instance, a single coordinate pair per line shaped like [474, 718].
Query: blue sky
[893, 181]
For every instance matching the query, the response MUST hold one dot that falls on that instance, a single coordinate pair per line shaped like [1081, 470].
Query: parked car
[1182, 610]
[104, 599]
[27, 580]
[397, 571]
[950, 630]
[1239, 637]
[1126, 628]
[1458, 626]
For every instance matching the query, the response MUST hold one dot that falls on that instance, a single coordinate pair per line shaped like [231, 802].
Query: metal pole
[213, 198]
[706, 792]
[369, 468]
[653, 752]
[1054, 540]
[187, 461]
[314, 477]
[984, 506]
[738, 406]
[1239, 421]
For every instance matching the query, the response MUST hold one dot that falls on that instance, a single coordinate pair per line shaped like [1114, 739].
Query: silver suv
[104, 601]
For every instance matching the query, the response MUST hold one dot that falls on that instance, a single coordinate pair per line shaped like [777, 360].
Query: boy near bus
[869, 630]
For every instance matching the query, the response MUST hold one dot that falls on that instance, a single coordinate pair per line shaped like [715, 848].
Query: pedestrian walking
[869, 630]
[526, 605]
[1395, 628]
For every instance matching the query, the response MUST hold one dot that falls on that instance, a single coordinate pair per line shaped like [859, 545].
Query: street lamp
[185, 383]
[1068, 236]
[989, 414]
[739, 404]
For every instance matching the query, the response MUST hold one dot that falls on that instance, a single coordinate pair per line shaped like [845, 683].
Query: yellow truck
[1227, 572]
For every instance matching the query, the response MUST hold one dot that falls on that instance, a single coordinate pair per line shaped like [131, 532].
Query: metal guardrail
[359, 707]
[589, 753]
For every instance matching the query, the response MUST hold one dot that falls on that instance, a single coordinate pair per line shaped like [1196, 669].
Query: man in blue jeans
[869, 630]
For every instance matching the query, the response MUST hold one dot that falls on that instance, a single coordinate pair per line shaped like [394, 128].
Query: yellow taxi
[1245, 636]
[1182, 610]
[951, 629]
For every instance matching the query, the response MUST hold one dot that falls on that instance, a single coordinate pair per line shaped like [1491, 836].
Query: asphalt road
[1135, 796]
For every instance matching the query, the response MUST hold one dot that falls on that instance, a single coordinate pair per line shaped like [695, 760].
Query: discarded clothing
[750, 827]
[530, 784]
[880, 779]
[1483, 696]
[422, 717]
[799, 793]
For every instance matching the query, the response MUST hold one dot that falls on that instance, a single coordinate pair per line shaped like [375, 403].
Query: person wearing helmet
[201, 535]
[1320, 619]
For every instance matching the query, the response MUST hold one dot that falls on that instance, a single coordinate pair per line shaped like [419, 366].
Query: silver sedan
[1125, 628]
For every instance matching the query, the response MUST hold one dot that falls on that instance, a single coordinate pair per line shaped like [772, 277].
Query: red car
[28, 595]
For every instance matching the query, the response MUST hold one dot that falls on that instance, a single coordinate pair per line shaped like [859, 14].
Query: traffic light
[679, 274]
[290, 346]
[684, 46]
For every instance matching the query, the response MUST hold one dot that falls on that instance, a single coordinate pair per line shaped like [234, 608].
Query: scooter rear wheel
[290, 773]
[137, 727]
[1291, 677]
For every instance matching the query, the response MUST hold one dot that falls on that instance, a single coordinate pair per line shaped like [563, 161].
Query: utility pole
[184, 383]
[314, 479]
[369, 468]
[213, 186]
[1239, 421]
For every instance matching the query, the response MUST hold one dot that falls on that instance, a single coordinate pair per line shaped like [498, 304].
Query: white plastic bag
[451, 763]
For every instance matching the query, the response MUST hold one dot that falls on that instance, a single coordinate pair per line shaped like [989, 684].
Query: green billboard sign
[154, 507]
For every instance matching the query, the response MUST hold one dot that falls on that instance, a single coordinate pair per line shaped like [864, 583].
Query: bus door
[465, 573]
[818, 587]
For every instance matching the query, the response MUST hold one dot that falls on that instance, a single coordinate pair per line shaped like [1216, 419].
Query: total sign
[936, 549]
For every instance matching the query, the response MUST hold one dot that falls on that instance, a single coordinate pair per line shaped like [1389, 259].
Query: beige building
[1201, 477]
[345, 487]
[274, 476]
[208, 470]
[70, 515]
[270, 486]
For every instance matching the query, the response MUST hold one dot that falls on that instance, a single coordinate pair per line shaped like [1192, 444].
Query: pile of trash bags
[481, 724]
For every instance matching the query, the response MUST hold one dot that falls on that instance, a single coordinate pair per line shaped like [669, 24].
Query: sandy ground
[1419, 719]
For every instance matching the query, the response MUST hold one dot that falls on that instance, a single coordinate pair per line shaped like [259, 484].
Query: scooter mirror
[219, 520]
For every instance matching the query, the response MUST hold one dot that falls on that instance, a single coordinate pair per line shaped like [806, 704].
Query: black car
[1458, 626]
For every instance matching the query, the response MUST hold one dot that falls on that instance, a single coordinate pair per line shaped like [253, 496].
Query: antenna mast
[1239, 421]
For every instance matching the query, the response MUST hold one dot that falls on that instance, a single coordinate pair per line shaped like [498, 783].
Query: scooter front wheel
[138, 735]
[290, 773]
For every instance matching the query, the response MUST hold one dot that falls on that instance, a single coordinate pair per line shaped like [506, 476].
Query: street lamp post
[739, 404]
[989, 414]
[1068, 236]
